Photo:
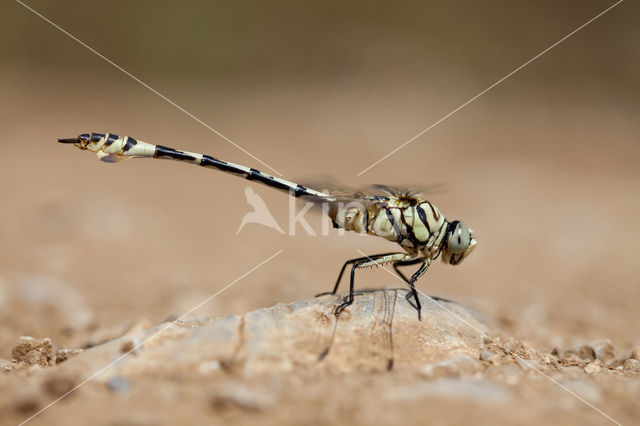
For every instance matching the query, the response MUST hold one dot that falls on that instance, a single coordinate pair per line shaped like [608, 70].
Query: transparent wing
[400, 191]
[374, 192]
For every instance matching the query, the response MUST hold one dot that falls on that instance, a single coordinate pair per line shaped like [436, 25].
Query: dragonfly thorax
[415, 224]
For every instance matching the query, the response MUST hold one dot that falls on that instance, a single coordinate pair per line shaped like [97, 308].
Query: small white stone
[594, 367]
[632, 364]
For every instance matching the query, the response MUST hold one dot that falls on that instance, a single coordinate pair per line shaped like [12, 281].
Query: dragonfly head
[458, 243]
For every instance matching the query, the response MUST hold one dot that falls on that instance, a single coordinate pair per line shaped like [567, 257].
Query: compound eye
[459, 239]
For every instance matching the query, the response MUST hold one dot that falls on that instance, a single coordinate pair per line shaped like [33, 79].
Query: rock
[632, 364]
[33, 351]
[593, 367]
[587, 352]
[599, 349]
[635, 354]
[450, 367]
[379, 331]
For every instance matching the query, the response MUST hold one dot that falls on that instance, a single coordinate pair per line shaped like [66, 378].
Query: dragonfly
[398, 215]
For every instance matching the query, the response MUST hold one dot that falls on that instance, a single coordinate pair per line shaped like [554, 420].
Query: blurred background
[543, 167]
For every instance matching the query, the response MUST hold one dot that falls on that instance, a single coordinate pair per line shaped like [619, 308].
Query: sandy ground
[546, 175]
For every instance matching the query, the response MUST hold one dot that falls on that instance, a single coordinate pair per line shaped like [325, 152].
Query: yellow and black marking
[110, 147]
[401, 216]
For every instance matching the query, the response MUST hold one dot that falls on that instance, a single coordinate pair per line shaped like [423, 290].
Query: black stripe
[163, 151]
[366, 220]
[423, 217]
[410, 233]
[209, 161]
[253, 174]
[379, 198]
[268, 180]
[131, 142]
[394, 224]
[95, 137]
[111, 138]
[301, 190]
[450, 227]
[436, 216]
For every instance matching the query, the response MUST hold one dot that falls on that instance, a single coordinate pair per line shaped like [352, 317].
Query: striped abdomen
[113, 148]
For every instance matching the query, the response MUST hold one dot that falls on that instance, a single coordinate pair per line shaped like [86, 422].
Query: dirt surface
[544, 169]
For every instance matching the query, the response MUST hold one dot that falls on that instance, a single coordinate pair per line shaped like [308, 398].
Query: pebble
[593, 367]
[632, 364]
[600, 349]
[635, 354]
[33, 351]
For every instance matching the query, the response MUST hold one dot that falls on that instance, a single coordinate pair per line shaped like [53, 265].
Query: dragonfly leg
[335, 288]
[406, 263]
[423, 268]
[349, 262]
[378, 259]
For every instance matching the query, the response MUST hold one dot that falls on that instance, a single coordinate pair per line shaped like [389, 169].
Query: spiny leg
[414, 277]
[348, 262]
[379, 259]
[407, 263]
[408, 281]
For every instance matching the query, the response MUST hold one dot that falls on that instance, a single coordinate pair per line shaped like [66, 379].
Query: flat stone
[379, 331]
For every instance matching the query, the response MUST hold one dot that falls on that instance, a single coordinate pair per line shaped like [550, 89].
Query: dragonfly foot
[341, 307]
